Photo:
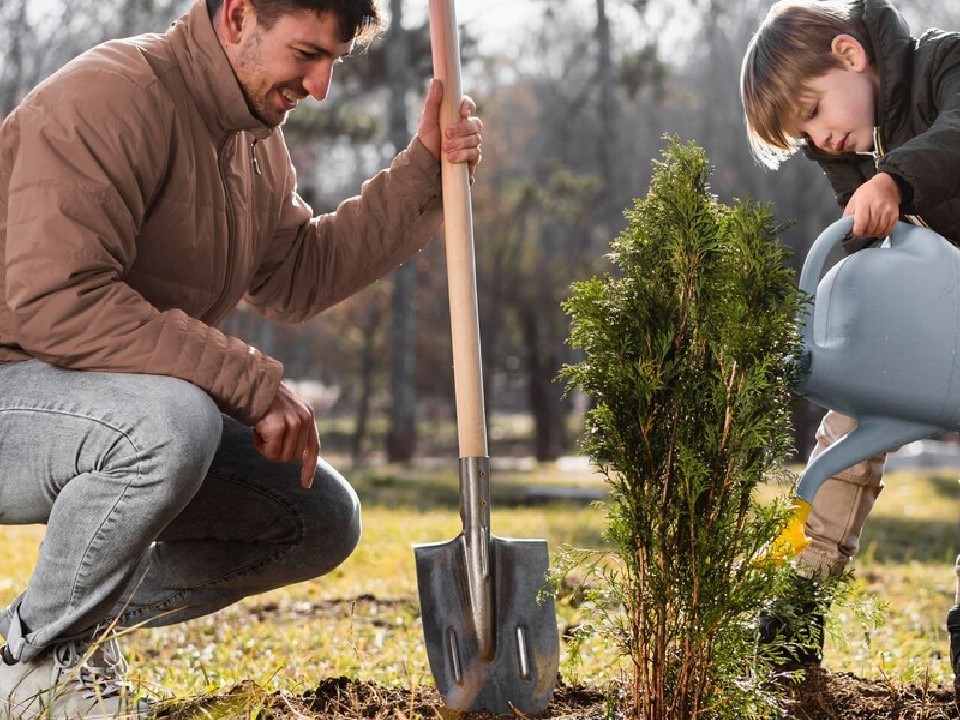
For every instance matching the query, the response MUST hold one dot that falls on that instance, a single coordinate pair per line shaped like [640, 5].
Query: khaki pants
[842, 504]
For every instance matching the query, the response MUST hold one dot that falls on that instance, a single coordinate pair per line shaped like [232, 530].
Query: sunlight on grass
[906, 571]
[910, 643]
[362, 620]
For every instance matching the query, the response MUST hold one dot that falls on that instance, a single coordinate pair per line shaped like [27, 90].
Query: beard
[264, 111]
[251, 75]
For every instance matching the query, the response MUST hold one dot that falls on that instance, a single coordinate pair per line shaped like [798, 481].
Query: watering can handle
[820, 250]
[813, 266]
[823, 245]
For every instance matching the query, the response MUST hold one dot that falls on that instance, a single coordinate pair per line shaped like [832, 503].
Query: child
[879, 110]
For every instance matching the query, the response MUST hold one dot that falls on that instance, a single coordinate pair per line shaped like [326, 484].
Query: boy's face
[839, 112]
[280, 65]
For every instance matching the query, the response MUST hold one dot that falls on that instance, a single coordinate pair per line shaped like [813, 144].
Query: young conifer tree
[685, 357]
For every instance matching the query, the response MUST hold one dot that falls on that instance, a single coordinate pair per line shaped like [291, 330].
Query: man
[145, 188]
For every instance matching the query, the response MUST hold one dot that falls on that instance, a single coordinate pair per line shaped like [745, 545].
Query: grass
[362, 620]
[906, 571]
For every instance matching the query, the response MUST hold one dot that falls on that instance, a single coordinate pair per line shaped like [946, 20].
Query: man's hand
[288, 432]
[461, 141]
[875, 207]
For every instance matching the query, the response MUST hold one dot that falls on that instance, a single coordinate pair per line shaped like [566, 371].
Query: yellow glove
[793, 539]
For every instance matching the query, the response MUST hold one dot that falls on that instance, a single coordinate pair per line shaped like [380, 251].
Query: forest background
[576, 96]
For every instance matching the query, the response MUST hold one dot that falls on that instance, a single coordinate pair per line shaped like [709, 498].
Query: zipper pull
[253, 157]
[877, 150]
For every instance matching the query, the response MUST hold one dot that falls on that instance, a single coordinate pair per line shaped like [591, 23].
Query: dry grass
[362, 620]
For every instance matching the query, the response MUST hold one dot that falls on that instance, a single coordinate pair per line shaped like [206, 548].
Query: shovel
[490, 628]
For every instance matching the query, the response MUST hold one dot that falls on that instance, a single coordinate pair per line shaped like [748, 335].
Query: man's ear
[850, 51]
[235, 18]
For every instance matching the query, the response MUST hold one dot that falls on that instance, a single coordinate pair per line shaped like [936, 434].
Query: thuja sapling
[685, 356]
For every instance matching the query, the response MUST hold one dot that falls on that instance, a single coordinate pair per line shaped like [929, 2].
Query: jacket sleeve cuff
[423, 160]
[270, 375]
[906, 193]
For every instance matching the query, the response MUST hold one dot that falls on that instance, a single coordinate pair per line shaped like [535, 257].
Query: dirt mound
[344, 698]
[822, 695]
[840, 696]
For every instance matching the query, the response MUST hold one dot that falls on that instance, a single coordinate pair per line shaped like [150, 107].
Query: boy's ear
[851, 52]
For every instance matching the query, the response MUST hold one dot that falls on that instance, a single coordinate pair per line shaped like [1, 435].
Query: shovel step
[522, 672]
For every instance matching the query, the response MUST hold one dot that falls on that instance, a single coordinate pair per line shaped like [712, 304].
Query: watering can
[880, 343]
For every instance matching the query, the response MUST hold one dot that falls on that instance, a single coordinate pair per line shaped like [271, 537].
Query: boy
[879, 110]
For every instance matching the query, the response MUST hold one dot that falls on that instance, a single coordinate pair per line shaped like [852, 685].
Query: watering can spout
[872, 436]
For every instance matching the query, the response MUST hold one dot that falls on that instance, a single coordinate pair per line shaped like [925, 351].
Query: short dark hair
[359, 19]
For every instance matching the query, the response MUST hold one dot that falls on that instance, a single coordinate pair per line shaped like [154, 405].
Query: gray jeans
[158, 508]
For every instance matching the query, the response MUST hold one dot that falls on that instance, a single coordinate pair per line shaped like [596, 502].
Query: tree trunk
[368, 360]
[608, 113]
[545, 396]
[402, 430]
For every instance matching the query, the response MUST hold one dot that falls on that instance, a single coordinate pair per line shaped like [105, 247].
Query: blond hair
[791, 47]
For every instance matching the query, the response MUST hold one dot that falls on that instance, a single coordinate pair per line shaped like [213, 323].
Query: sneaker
[62, 684]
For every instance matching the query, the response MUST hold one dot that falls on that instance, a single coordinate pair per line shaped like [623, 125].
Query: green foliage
[685, 358]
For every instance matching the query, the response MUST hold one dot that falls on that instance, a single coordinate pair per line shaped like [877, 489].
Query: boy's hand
[875, 207]
[461, 141]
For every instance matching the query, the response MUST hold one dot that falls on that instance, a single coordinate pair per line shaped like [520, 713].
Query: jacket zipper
[253, 157]
[231, 241]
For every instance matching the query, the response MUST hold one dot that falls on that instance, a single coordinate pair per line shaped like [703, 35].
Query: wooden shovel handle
[458, 236]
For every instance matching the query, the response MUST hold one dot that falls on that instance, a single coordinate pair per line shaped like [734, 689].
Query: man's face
[281, 65]
[838, 113]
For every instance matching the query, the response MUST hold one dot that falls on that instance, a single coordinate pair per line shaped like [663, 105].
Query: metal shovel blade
[491, 638]
[522, 672]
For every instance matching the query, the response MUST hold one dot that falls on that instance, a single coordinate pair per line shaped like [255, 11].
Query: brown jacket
[140, 201]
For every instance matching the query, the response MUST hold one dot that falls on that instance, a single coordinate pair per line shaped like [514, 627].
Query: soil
[822, 695]
[834, 696]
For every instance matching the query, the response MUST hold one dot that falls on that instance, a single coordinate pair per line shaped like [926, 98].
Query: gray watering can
[880, 344]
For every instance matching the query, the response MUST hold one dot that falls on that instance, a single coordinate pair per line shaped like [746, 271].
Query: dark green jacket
[918, 121]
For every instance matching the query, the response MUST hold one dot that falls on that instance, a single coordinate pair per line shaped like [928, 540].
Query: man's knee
[177, 434]
[345, 525]
[334, 526]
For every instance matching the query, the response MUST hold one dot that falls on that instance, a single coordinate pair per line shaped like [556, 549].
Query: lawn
[362, 620]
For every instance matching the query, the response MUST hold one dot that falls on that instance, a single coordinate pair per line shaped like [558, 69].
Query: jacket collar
[892, 45]
[210, 78]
